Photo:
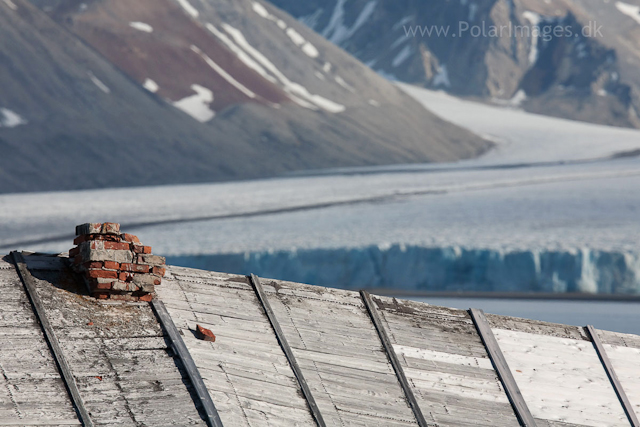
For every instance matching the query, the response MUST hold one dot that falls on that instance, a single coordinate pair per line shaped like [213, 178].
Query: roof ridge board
[613, 378]
[393, 358]
[313, 406]
[212, 416]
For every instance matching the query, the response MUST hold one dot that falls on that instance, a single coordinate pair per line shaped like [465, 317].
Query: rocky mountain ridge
[567, 58]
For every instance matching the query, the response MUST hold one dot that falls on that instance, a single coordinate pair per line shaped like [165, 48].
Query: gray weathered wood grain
[448, 365]
[124, 370]
[245, 370]
[31, 390]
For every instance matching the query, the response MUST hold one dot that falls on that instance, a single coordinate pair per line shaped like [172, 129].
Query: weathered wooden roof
[126, 372]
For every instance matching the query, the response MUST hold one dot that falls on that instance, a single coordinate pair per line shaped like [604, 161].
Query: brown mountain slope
[120, 93]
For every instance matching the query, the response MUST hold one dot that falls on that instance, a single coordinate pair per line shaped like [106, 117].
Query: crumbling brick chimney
[115, 265]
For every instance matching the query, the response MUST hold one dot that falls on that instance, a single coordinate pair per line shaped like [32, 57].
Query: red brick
[118, 246]
[159, 271]
[138, 268]
[101, 286]
[102, 273]
[80, 239]
[73, 252]
[139, 249]
[146, 298]
[130, 238]
[125, 277]
[141, 268]
[111, 265]
[101, 295]
[205, 334]
[93, 264]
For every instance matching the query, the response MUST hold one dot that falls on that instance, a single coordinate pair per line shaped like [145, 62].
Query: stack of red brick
[115, 265]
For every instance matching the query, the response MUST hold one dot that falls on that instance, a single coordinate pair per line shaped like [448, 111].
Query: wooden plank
[502, 368]
[619, 339]
[393, 358]
[52, 340]
[213, 419]
[315, 411]
[561, 379]
[611, 373]
[536, 327]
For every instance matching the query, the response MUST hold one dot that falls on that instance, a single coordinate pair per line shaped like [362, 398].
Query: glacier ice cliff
[416, 268]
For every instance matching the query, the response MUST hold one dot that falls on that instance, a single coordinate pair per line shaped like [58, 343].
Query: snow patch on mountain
[630, 10]
[241, 54]
[337, 32]
[189, 8]
[96, 81]
[311, 20]
[261, 10]
[473, 9]
[297, 39]
[344, 84]
[141, 26]
[296, 91]
[535, 20]
[198, 105]
[442, 77]
[516, 100]
[402, 39]
[519, 97]
[228, 77]
[401, 23]
[11, 4]
[310, 50]
[10, 119]
[402, 56]
[150, 85]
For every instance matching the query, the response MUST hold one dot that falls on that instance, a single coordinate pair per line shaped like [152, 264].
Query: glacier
[416, 268]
